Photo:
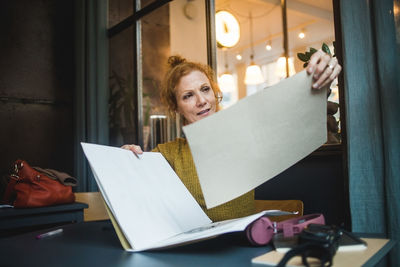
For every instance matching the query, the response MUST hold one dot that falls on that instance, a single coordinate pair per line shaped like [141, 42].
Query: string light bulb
[302, 34]
[268, 47]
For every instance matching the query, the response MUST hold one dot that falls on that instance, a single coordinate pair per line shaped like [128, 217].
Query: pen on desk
[51, 233]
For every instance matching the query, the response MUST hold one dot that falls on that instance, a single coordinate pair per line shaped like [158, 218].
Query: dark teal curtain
[371, 74]
[91, 108]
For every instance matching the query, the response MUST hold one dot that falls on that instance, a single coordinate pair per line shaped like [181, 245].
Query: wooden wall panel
[37, 83]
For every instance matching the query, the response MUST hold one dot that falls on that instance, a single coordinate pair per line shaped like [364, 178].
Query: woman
[189, 90]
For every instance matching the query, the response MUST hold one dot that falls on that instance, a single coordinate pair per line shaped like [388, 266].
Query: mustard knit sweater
[178, 154]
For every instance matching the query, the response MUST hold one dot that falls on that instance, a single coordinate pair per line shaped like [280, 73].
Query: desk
[96, 244]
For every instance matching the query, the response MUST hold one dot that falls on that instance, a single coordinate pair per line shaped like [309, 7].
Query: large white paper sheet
[239, 148]
[146, 197]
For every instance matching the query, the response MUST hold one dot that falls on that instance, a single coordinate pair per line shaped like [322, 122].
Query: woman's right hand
[134, 148]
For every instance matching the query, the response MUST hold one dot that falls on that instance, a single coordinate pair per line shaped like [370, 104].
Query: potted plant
[121, 109]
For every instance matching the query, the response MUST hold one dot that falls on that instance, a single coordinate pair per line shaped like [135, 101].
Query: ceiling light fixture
[253, 72]
[226, 81]
[227, 29]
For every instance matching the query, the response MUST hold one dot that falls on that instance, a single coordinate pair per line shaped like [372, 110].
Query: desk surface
[96, 244]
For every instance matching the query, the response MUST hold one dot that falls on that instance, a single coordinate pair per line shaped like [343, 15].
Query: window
[309, 24]
[140, 43]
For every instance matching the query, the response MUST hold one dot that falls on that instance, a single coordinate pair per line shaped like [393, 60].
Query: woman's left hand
[326, 69]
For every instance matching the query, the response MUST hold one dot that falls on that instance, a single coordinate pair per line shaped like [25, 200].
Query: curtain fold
[387, 59]
[91, 90]
[371, 76]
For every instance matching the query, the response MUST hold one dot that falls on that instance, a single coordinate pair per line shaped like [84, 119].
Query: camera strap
[306, 250]
[296, 225]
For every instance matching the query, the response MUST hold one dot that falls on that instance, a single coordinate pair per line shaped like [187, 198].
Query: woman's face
[195, 97]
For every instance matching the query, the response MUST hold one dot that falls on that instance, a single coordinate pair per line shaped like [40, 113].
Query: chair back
[96, 211]
[284, 205]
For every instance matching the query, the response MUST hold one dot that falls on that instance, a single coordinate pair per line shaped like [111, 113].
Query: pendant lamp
[253, 72]
[226, 81]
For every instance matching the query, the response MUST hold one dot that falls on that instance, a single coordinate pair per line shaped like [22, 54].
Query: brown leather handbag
[30, 187]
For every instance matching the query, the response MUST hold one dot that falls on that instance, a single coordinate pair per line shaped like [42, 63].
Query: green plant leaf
[313, 50]
[326, 49]
[305, 64]
[302, 57]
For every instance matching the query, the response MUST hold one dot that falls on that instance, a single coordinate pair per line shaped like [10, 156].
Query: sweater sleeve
[169, 151]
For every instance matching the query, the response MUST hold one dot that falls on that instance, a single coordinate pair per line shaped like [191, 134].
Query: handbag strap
[62, 177]
[295, 226]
